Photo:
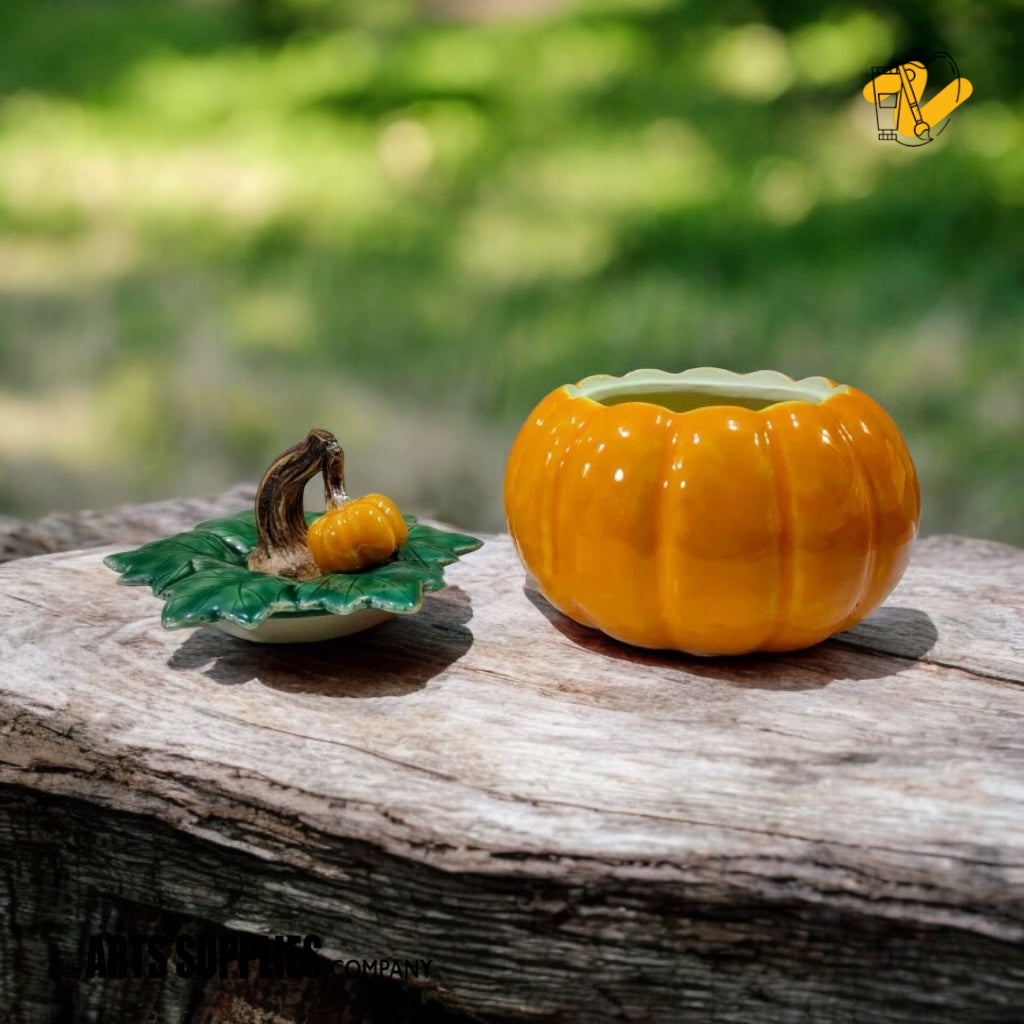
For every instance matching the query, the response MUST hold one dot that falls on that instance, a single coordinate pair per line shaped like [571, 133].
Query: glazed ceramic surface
[203, 578]
[712, 512]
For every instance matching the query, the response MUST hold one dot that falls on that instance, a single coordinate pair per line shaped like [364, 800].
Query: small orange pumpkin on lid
[353, 533]
[356, 533]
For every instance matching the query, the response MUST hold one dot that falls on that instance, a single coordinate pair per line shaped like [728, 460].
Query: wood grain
[568, 828]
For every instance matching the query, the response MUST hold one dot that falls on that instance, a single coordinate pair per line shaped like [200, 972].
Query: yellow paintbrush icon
[896, 94]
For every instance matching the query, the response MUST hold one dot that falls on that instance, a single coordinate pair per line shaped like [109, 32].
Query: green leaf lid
[204, 577]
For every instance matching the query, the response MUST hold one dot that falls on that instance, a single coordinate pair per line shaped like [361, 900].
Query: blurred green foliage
[223, 222]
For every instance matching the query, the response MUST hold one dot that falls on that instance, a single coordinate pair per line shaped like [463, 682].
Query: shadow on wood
[394, 659]
[79, 897]
[910, 634]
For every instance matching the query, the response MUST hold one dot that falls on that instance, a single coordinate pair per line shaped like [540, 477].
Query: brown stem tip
[280, 517]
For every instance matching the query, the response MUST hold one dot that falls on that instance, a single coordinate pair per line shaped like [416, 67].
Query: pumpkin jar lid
[704, 386]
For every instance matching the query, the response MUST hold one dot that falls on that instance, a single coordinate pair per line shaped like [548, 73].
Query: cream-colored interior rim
[704, 386]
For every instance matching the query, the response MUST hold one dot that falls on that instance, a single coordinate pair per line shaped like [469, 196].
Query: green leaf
[203, 575]
[394, 587]
[429, 547]
[237, 531]
[162, 563]
[226, 592]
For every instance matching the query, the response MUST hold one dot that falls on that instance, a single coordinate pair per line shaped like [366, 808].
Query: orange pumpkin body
[711, 512]
[357, 534]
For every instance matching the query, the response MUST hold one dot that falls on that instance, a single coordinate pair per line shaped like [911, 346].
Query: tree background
[223, 222]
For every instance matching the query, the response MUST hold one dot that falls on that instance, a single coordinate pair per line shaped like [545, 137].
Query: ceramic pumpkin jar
[712, 512]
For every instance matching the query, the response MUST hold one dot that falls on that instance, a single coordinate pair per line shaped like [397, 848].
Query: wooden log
[566, 828]
[127, 525]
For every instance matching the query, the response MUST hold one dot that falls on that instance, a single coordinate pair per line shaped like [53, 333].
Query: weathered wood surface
[567, 828]
[128, 525]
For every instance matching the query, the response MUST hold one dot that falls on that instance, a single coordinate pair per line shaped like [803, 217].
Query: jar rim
[704, 386]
